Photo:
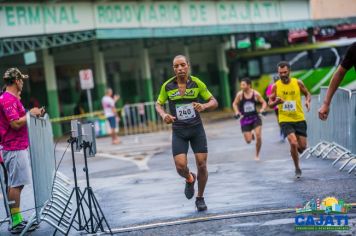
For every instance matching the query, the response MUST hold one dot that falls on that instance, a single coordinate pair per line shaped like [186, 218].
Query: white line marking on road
[141, 164]
[202, 219]
[139, 157]
[199, 219]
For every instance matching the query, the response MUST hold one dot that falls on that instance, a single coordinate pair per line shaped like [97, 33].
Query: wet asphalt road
[136, 183]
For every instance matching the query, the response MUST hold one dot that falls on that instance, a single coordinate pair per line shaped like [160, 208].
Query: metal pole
[4, 193]
[86, 145]
[90, 103]
[77, 194]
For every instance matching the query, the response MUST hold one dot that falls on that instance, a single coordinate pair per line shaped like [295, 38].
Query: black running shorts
[299, 128]
[195, 135]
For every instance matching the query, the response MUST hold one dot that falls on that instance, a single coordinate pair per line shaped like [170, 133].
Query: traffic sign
[86, 79]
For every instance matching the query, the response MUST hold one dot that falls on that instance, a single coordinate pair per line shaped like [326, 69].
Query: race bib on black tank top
[249, 107]
[185, 111]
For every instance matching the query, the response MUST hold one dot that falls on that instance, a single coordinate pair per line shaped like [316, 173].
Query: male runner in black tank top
[245, 105]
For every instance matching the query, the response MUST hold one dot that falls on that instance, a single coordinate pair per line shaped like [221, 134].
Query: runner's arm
[162, 99]
[205, 94]
[235, 104]
[334, 84]
[160, 110]
[273, 100]
[306, 93]
[212, 104]
[262, 101]
[165, 116]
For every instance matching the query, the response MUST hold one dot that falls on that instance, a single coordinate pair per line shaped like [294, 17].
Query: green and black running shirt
[181, 106]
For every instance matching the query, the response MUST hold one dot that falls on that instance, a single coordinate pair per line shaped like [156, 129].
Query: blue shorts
[112, 122]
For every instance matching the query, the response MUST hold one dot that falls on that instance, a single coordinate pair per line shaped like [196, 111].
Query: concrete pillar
[51, 88]
[223, 77]
[146, 75]
[99, 72]
[147, 80]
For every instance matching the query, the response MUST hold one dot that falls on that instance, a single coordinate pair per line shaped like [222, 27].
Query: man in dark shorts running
[244, 105]
[183, 92]
[286, 93]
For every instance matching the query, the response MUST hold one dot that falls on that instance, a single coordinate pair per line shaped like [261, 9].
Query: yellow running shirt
[291, 110]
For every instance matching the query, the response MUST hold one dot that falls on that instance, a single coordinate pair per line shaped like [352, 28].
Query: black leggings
[194, 135]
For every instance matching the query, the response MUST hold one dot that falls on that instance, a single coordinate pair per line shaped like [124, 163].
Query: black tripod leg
[102, 213]
[83, 212]
[98, 213]
[79, 205]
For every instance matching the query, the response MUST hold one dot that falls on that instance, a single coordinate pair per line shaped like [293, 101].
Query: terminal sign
[21, 19]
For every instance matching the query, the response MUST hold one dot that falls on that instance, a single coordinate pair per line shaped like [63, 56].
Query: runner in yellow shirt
[286, 94]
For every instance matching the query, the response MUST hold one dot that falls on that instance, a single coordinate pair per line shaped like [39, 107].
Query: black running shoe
[200, 204]
[189, 188]
[17, 229]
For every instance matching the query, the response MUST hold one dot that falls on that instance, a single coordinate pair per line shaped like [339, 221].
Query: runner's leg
[302, 143]
[248, 136]
[201, 161]
[258, 132]
[181, 163]
[292, 139]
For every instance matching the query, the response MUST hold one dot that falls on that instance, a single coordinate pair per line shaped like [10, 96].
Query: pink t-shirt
[268, 93]
[11, 109]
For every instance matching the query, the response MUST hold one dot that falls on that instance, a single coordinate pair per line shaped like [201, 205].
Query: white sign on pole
[87, 83]
[86, 79]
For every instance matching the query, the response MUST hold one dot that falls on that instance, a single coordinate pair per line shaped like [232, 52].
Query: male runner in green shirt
[183, 92]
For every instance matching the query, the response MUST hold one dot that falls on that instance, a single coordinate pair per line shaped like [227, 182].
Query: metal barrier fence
[340, 123]
[335, 152]
[42, 158]
[313, 121]
[335, 138]
[134, 119]
[353, 122]
[4, 197]
[51, 190]
[142, 118]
